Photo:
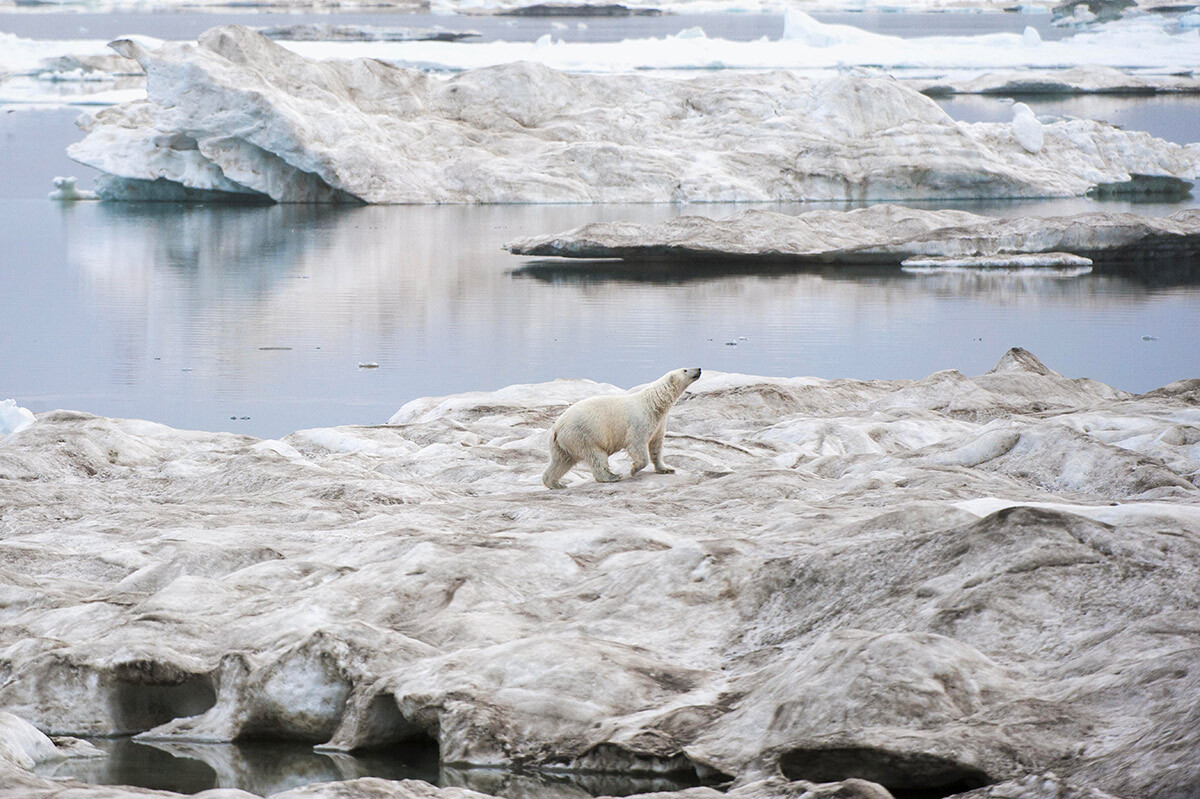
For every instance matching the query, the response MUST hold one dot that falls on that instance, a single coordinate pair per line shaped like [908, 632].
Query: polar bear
[594, 428]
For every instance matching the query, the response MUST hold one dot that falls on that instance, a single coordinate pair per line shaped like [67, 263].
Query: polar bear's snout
[594, 428]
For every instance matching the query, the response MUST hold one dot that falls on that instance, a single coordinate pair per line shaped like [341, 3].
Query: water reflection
[182, 313]
[1179, 269]
[265, 768]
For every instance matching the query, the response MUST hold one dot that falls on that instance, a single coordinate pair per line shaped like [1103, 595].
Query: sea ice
[956, 580]
[1153, 55]
[240, 115]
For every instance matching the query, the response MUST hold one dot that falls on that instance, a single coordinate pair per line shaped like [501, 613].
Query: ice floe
[239, 115]
[887, 234]
[929, 584]
[1090, 79]
[321, 32]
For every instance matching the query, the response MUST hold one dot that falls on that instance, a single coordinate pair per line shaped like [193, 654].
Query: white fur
[594, 428]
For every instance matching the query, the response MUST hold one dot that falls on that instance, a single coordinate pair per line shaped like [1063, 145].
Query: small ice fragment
[14, 418]
[368, 365]
[581, 26]
[1026, 128]
[545, 40]
[558, 26]
[65, 191]
[694, 32]
[1031, 37]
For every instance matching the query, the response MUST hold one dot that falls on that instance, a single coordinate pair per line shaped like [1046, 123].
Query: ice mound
[1026, 128]
[952, 581]
[14, 418]
[65, 190]
[236, 116]
[886, 234]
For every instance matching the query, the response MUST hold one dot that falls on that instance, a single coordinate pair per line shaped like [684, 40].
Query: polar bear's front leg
[599, 463]
[656, 452]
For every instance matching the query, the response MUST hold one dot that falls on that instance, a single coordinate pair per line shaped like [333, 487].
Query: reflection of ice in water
[144, 291]
[266, 768]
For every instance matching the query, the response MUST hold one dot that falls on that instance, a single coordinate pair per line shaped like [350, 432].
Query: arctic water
[268, 319]
[269, 767]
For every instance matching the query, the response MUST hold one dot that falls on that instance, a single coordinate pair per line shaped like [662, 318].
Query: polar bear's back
[603, 422]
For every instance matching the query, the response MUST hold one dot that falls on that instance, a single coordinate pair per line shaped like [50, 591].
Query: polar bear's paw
[663, 470]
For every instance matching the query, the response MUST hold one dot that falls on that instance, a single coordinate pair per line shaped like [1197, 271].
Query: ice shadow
[268, 767]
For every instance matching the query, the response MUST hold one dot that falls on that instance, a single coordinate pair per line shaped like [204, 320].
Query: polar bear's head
[662, 393]
[682, 378]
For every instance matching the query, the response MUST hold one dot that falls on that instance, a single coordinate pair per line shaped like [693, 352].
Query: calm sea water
[266, 768]
[257, 319]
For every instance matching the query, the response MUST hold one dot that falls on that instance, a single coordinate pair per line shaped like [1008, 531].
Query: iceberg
[951, 581]
[887, 234]
[240, 117]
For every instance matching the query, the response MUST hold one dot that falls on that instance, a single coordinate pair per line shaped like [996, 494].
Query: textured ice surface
[950, 579]
[880, 233]
[240, 115]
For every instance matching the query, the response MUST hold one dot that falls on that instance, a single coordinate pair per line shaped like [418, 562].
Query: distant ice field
[1142, 43]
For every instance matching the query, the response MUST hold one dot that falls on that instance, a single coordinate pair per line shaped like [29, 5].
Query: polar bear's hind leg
[640, 457]
[599, 463]
[561, 462]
